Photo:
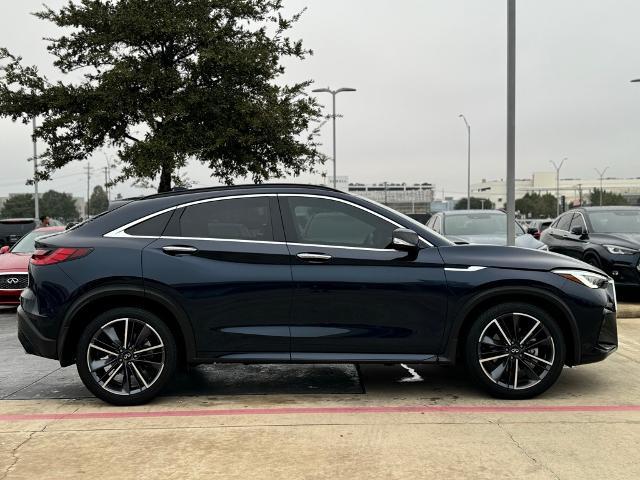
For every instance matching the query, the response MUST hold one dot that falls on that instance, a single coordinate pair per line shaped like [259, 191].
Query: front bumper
[607, 340]
[32, 340]
[10, 298]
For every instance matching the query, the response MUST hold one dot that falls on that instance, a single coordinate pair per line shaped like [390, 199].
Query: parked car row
[607, 238]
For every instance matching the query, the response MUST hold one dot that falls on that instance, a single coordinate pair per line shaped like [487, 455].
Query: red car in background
[14, 265]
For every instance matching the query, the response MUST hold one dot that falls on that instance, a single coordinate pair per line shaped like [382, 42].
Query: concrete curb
[628, 310]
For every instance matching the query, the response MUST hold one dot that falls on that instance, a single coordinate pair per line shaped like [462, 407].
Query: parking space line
[470, 409]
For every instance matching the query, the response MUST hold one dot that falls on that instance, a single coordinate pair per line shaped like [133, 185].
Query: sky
[416, 65]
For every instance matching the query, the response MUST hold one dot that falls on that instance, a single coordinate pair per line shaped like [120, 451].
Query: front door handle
[179, 250]
[314, 257]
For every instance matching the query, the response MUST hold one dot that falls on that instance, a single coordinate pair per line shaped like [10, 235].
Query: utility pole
[88, 208]
[333, 94]
[511, 122]
[107, 177]
[601, 175]
[36, 198]
[558, 167]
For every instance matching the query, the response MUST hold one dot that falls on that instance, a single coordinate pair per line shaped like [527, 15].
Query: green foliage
[18, 206]
[608, 198]
[53, 204]
[476, 204]
[98, 202]
[534, 205]
[58, 205]
[166, 81]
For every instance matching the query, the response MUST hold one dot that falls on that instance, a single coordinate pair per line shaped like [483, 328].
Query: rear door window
[564, 221]
[233, 219]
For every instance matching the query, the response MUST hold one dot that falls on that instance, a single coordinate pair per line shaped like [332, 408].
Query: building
[443, 205]
[574, 190]
[403, 197]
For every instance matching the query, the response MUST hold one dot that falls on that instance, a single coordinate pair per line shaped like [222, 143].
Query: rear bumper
[10, 297]
[32, 340]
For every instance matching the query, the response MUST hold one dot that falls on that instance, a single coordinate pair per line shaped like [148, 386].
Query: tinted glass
[16, 228]
[152, 227]
[328, 222]
[564, 222]
[615, 221]
[578, 221]
[234, 219]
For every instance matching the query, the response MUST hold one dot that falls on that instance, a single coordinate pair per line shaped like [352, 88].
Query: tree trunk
[165, 179]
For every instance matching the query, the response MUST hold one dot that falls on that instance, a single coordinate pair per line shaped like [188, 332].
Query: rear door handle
[314, 257]
[179, 250]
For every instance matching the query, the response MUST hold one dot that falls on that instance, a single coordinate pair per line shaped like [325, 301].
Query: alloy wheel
[516, 351]
[126, 356]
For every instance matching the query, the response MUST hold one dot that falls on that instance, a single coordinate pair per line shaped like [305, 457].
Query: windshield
[615, 221]
[27, 244]
[478, 224]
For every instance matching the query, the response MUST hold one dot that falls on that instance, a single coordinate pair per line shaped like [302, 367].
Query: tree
[608, 198]
[18, 206]
[58, 205]
[166, 81]
[98, 202]
[476, 204]
[537, 206]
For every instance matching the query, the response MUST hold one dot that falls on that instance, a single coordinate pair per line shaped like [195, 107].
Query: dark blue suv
[291, 273]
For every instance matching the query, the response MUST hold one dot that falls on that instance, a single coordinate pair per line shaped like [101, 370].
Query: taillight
[57, 255]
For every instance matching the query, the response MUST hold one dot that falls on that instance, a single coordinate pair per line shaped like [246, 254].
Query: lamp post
[511, 122]
[333, 116]
[601, 175]
[35, 173]
[468, 160]
[558, 167]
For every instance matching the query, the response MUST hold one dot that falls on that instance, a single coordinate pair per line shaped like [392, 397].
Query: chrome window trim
[120, 231]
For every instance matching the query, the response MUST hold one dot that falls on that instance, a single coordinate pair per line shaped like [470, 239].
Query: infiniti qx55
[302, 274]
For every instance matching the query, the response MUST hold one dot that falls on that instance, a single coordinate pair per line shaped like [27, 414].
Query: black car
[301, 274]
[13, 229]
[606, 237]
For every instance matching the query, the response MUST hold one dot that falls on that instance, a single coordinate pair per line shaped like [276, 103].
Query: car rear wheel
[126, 356]
[515, 350]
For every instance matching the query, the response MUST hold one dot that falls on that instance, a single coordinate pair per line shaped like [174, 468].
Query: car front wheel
[126, 356]
[515, 350]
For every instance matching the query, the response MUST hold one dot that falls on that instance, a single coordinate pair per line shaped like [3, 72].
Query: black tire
[492, 359]
[126, 379]
[593, 259]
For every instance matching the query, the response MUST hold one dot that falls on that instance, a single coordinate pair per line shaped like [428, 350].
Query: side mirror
[532, 230]
[405, 240]
[4, 249]
[578, 231]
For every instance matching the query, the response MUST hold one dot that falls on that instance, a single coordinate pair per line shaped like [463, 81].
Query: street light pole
[333, 94]
[35, 172]
[468, 160]
[558, 167]
[511, 122]
[601, 174]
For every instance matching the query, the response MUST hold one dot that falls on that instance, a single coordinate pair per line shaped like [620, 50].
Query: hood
[630, 240]
[526, 241]
[14, 262]
[510, 257]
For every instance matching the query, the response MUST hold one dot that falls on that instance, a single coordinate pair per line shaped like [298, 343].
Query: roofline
[222, 188]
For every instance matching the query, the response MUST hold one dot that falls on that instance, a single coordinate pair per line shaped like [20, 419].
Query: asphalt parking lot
[334, 421]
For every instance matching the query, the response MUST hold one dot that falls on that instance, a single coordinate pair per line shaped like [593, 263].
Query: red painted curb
[321, 410]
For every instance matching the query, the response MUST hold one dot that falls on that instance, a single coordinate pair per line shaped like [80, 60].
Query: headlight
[588, 279]
[543, 247]
[616, 250]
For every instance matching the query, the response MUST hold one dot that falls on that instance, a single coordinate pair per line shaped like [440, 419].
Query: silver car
[487, 227]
